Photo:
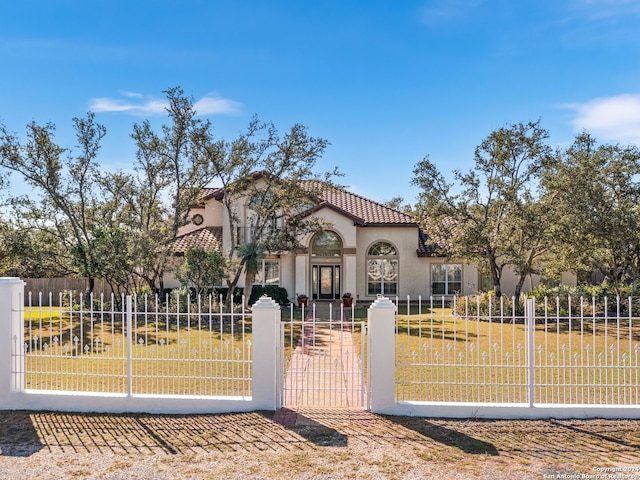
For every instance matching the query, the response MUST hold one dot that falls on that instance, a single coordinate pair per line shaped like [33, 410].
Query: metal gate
[323, 361]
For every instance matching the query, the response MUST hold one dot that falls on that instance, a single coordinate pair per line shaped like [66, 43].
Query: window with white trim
[269, 273]
[382, 269]
[446, 278]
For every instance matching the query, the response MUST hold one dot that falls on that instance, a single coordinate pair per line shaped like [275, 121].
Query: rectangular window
[269, 273]
[446, 279]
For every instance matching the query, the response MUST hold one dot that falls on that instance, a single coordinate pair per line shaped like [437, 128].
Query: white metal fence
[136, 345]
[563, 359]
[569, 352]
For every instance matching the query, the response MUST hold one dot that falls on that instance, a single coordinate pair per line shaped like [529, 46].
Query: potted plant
[302, 300]
[347, 299]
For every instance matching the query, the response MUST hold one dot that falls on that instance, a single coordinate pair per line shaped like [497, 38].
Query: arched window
[326, 244]
[382, 269]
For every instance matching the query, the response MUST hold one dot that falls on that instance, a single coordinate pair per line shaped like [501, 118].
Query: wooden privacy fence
[50, 289]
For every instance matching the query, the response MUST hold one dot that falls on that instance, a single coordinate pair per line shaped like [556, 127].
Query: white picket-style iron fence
[573, 355]
[137, 345]
[560, 358]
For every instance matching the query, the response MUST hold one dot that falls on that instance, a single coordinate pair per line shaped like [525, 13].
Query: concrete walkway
[324, 370]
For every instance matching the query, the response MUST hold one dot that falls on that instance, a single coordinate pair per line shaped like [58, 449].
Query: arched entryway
[326, 266]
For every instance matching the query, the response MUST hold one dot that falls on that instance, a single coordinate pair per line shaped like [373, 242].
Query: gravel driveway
[322, 444]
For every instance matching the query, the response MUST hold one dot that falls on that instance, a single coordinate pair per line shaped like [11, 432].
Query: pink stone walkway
[324, 369]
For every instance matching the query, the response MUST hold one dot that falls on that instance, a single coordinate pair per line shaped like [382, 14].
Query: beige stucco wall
[288, 273]
[347, 231]
[471, 277]
[411, 278]
[190, 227]
[213, 213]
[414, 272]
[338, 223]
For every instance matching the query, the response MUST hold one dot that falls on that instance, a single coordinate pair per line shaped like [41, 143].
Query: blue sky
[386, 82]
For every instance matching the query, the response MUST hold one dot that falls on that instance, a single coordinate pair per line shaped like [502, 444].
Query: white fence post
[11, 335]
[129, 336]
[382, 361]
[530, 319]
[266, 347]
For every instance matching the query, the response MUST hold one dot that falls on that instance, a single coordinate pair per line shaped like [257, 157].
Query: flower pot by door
[302, 302]
[347, 301]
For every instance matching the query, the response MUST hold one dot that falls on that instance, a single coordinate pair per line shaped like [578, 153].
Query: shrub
[593, 302]
[278, 294]
[469, 307]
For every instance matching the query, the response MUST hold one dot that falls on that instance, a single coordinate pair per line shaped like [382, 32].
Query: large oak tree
[488, 215]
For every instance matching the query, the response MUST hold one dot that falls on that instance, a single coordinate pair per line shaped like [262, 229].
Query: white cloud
[131, 94]
[212, 105]
[142, 105]
[150, 107]
[610, 118]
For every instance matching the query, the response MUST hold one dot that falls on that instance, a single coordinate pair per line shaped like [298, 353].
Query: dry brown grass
[594, 362]
[322, 444]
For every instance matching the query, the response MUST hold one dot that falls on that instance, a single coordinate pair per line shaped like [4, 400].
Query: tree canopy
[276, 173]
[522, 206]
[595, 194]
[67, 182]
[121, 227]
[485, 215]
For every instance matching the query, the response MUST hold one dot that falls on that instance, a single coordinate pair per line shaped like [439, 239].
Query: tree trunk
[496, 277]
[92, 284]
[518, 291]
[233, 283]
[248, 287]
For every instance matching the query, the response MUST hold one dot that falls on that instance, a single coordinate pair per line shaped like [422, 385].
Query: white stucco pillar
[301, 285]
[11, 335]
[266, 341]
[350, 281]
[382, 340]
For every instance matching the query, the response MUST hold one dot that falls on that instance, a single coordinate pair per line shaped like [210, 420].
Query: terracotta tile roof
[362, 210]
[209, 238]
[209, 192]
[426, 247]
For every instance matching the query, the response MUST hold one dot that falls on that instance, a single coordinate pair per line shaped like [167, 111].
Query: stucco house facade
[368, 249]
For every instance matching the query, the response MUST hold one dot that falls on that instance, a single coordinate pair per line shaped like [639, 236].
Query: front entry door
[326, 282]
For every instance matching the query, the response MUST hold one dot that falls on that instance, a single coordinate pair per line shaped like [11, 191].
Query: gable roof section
[208, 238]
[209, 192]
[362, 211]
[427, 248]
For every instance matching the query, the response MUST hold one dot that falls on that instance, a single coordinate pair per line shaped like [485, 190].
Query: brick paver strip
[324, 369]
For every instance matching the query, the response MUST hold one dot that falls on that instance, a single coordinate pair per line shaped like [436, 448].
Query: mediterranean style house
[369, 249]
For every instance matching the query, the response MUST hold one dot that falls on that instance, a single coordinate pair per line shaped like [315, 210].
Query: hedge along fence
[558, 302]
[53, 289]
